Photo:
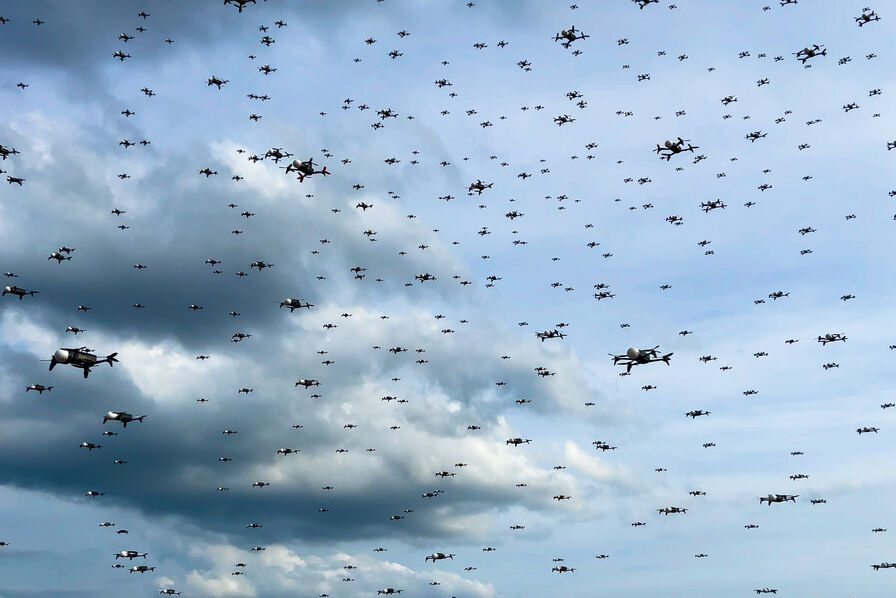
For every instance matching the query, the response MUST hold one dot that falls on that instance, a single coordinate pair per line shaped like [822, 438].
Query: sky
[571, 207]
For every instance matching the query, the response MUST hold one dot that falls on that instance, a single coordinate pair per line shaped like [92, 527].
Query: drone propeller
[110, 359]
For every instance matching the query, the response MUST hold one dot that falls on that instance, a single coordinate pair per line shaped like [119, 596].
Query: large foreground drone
[82, 357]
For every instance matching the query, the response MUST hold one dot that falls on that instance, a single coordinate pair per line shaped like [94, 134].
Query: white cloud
[219, 585]
[597, 468]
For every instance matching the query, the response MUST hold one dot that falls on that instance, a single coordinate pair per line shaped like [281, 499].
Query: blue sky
[67, 127]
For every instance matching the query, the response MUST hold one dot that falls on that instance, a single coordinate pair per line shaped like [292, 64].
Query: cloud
[597, 468]
[205, 584]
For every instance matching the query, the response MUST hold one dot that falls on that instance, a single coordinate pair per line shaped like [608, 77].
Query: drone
[807, 53]
[549, 334]
[478, 186]
[58, 257]
[753, 136]
[294, 304]
[568, 36]
[276, 153]
[305, 169]
[213, 80]
[7, 151]
[82, 357]
[777, 498]
[129, 554]
[40, 388]
[866, 17]
[708, 206]
[563, 119]
[674, 147]
[635, 356]
[831, 337]
[121, 416]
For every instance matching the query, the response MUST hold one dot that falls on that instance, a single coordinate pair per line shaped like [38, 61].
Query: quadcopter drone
[305, 169]
[674, 147]
[569, 35]
[807, 53]
[635, 356]
[82, 357]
